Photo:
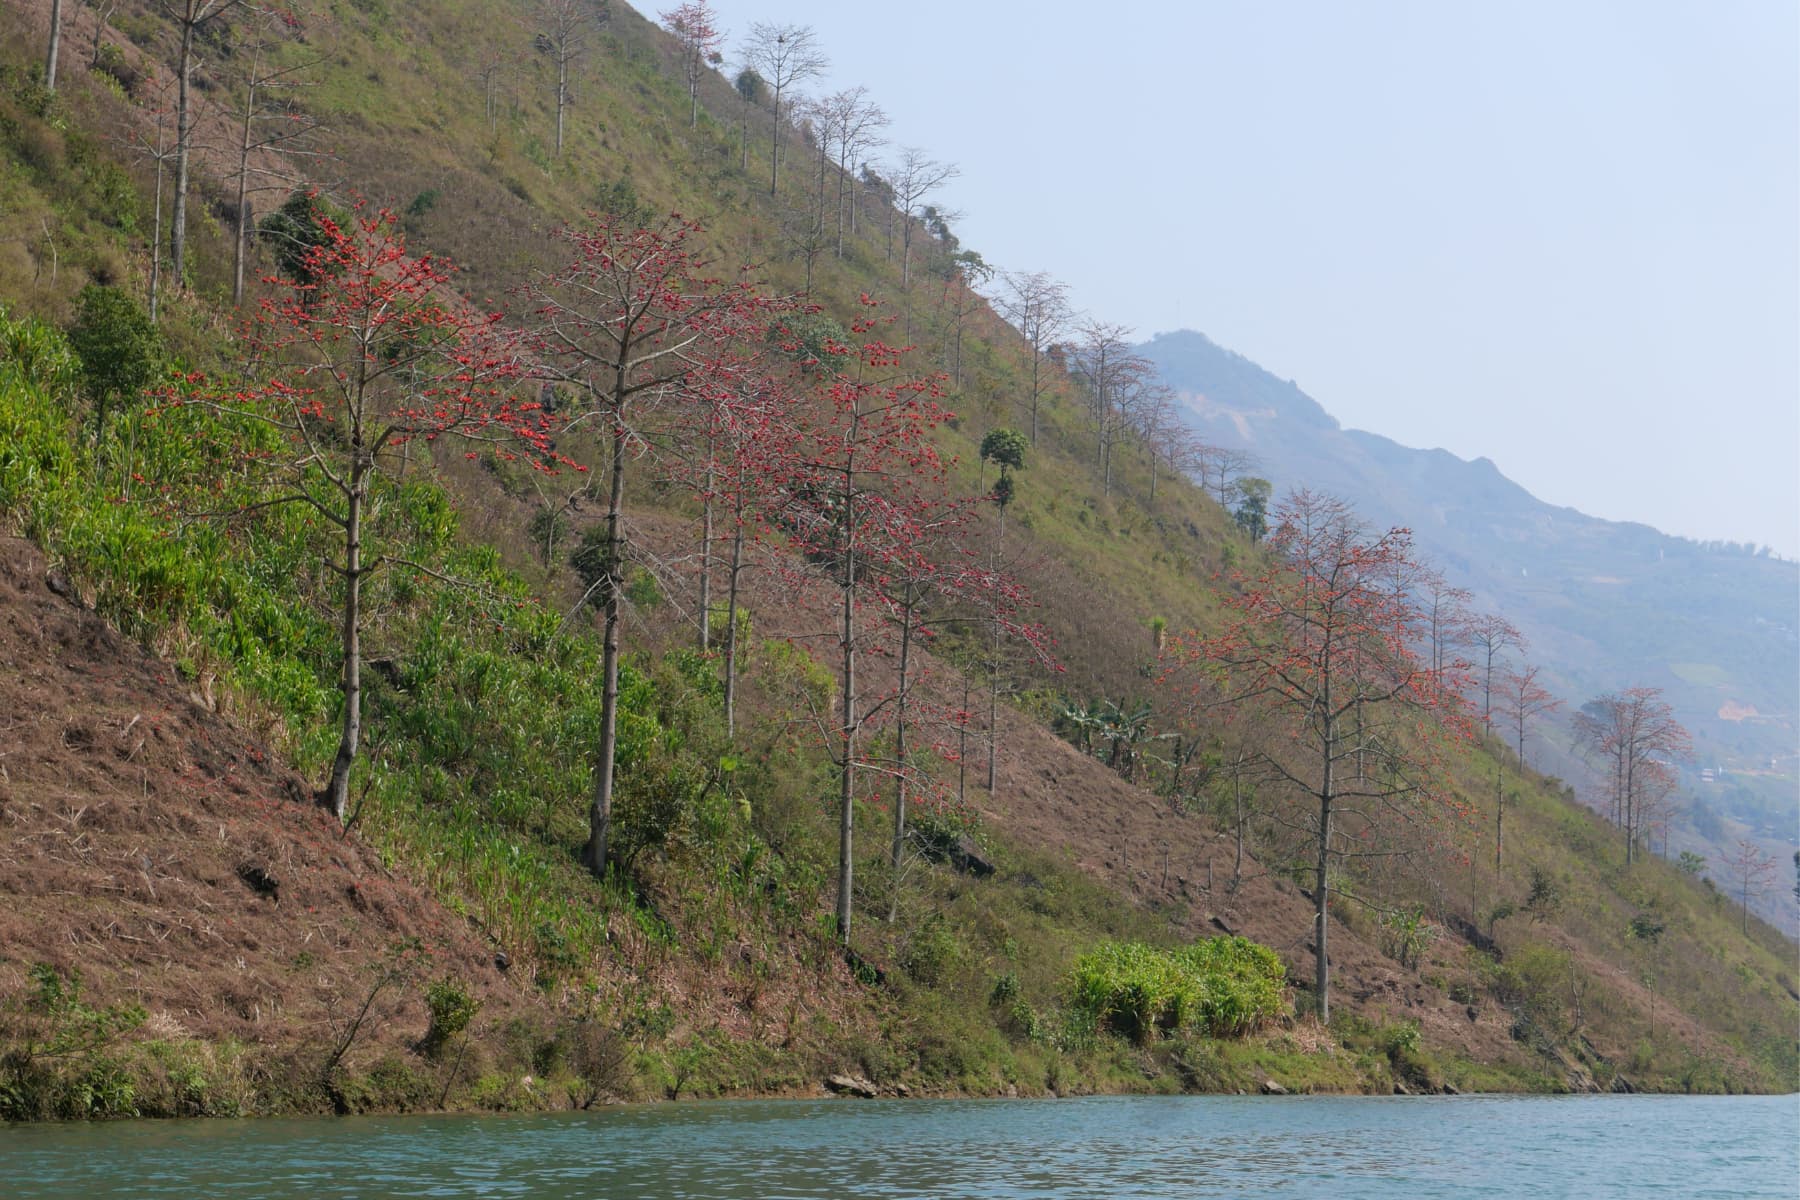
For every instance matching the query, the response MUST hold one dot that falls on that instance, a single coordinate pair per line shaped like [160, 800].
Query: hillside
[1605, 605]
[706, 960]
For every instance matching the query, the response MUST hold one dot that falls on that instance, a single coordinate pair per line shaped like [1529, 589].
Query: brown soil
[153, 847]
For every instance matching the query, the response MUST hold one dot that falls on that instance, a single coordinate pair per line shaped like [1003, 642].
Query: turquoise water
[1347, 1148]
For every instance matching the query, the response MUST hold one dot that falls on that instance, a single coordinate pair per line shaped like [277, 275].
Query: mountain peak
[1234, 385]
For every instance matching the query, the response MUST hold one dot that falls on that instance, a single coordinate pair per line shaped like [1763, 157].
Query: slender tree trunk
[1321, 915]
[184, 131]
[562, 100]
[775, 141]
[1035, 358]
[847, 735]
[731, 628]
[50, 56]
[1499, 823]
[242, 206]
[706, 541]
[1322, 892]
[962, 743]
[843, 170]
[337, 791]
[594, 855]
[899, 847]
[156, 223]
[1237, 857]
[994, 675]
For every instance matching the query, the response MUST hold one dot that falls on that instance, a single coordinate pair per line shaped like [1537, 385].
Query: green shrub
[1224, 986]
[452, 1008]
[1405, 935]
[61, 1062]
[117, 346]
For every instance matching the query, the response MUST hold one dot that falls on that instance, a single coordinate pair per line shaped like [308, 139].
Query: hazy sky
[1562, 235]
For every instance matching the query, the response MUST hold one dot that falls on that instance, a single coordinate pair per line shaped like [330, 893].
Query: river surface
[1346, 1148]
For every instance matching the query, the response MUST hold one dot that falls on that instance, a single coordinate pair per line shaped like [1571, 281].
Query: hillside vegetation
[709, 954]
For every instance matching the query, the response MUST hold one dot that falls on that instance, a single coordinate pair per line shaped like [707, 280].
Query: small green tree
[118, 347]
[1004, 448]
[1252, 513]
[296, 230]
[1647, 929]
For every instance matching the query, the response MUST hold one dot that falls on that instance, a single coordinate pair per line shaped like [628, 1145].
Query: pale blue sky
[1562, 235]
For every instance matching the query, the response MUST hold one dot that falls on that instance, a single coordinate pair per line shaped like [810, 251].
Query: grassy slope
[1090, 558]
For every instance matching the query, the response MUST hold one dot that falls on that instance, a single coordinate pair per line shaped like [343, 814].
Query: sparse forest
[647, 609]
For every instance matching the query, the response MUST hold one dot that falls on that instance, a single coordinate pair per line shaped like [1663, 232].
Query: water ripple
[1347, 1148]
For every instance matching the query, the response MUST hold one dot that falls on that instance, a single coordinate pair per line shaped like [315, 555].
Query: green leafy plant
[1225, 986]
[451, 1008]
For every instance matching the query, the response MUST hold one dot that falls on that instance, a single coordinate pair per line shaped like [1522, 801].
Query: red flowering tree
[860, 466]
[635, 323]
[1324, 643]
[372, 352]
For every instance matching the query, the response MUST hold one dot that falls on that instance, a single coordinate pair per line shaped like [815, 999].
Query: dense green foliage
[1224, 986]
[117, 347]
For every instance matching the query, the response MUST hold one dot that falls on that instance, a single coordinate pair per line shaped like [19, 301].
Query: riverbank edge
[188, 1079]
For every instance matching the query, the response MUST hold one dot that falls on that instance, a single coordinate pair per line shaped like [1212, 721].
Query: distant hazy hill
[1606, 604]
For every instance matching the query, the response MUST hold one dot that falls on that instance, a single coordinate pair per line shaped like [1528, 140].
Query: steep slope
[163, 858]
[715, 939]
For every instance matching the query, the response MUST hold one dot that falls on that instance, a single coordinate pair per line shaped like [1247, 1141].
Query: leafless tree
[914, 177]
[1445, 608]
[1752, 869]
[1491, 636]
[103, 11]
[1634, 735]
[161, 150]
[1522, 699]
[190, 17]
[782, 55]
[1037, 305]
[1220, 467]
[271, 122]
[567, 29]
[695, 28]
[1113, 376]
[965, 272]
[495, 60]
[853, 123]
[1159, 426]
[805, 238]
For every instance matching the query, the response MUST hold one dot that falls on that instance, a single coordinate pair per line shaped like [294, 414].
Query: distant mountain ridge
[1606, 604]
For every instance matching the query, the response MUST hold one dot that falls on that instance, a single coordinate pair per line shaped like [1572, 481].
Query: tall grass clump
[1223, 987]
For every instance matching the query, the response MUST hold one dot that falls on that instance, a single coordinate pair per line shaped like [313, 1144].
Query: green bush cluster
[1225, 987]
